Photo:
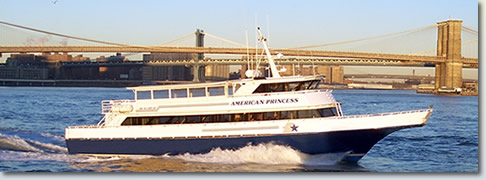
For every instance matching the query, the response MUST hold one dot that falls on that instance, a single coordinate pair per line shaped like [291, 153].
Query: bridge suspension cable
[469, 29]
[187, 36]
[225, 40]
[433, 50]
[63, 35]
[368, 38]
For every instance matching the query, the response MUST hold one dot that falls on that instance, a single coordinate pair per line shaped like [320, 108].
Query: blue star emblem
[294, 127]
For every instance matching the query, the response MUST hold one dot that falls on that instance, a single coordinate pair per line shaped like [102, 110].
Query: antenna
[247, 51]
[268, 26]
[273, 67]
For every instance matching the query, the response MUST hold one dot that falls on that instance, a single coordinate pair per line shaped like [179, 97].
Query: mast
[273, 67]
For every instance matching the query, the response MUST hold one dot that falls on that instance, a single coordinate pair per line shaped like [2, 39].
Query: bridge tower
[198, 69]
[449, 73]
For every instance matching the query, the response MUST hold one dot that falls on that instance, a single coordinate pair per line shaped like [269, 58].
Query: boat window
[285, 87]
[296, 86]
[237, 117]
[328, 112]
[303, 114]
[161, 94]
[309, 114]
[255, 116]
[152, 121]
[143, 95]
[164, 120]
[193, 119]
[197, 92]
[217, 118]
[177, 119]
[230, 91]
[127, 122]
[273, 87]
[271, 116]
[226, 117]
[140, 121]
[285, 115]
[312, 84]
[206, 119]
[179, 93]
[216, 91]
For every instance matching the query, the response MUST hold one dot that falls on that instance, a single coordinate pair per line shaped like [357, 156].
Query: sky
[290, 23]
[287, 23]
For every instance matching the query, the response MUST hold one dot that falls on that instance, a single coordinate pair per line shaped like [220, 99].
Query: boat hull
[357, 142]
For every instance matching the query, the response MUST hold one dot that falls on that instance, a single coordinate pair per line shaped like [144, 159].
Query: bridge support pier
[198, 69]
[199, 73]
[243, 70]
[449, 74]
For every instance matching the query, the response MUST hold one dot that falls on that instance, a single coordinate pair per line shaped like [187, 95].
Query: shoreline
[132, 83]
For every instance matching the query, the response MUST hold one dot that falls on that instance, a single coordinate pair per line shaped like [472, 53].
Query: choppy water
[32, 122]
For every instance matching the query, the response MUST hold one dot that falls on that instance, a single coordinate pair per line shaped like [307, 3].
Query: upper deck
[229, 97]
[226, 88]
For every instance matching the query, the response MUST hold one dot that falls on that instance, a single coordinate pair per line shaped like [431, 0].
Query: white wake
[265, 153]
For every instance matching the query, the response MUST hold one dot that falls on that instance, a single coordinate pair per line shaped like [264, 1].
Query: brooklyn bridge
[448, 56]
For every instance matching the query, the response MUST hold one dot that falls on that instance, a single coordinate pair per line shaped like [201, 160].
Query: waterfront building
[166, 72]
[24, 66]
[333, 74]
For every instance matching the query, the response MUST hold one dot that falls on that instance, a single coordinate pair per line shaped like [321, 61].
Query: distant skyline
[289, 23]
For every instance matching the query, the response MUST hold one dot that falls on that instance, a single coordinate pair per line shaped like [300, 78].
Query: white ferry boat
[196, 118]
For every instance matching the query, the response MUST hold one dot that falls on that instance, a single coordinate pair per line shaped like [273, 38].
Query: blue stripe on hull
[356, 142]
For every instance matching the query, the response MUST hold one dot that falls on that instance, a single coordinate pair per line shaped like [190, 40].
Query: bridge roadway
[286, 61]
[218, 50]
[290, 61]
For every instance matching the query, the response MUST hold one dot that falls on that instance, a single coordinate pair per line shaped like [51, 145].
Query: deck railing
[386, 114]
[107, 105]
[100, 124]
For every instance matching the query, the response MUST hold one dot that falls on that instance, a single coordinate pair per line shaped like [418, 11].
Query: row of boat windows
[183, 93]
[278, 115]
[220, 90]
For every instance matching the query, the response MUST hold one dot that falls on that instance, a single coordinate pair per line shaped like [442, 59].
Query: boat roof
[267, 80]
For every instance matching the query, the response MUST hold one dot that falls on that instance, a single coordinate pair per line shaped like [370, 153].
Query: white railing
[102, 121]
[106, 105]
[289, 92]
[85, 127]
[339, 109]
[386, 114]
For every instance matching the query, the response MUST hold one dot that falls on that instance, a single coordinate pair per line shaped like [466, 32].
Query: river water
[33, 119]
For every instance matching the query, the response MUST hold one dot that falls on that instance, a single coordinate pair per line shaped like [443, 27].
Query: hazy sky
[289, 23]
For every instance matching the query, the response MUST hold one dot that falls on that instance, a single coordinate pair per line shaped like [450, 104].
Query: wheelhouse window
[285, 87]
[311, 84]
